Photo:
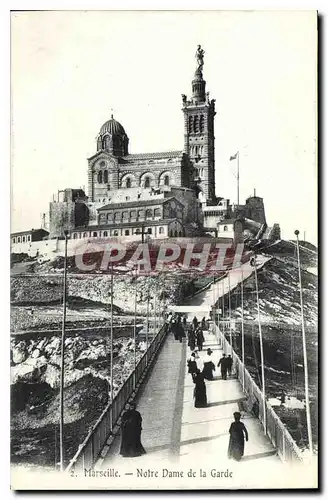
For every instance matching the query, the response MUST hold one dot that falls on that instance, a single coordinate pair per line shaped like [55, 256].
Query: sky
[71, 69]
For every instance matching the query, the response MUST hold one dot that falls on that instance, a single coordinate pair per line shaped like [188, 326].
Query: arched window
[133, 214]
[149, 214]
[115, 233]
[99, 178]
[171, 233]
[117, 216]
[125, 215]
[105, 234]
[201, 123]
[14, 240]
[127, 232]
[180, 233]
[161, 230]
[190, 124]
[18, 239]
[106, 177]
[166, 180]
[147, 182]
[85, 235]
[157, 212]
[175, 233]
[74, 236]
[196, 124]
[141, 214]
[225, 228]
[28, 237]
[95, 234]
[110, 217]
[23, 239]
[128, 182]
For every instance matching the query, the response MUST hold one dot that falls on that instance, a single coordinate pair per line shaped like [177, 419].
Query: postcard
[164, 289]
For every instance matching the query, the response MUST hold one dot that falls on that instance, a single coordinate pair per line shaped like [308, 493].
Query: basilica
[160, 194]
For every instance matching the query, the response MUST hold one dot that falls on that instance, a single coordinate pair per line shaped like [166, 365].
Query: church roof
[153, 156]
[113, 127]
[138, 203]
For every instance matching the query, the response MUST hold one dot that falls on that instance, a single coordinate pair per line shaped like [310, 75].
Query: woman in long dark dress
[191, 339]
[199, 390]
[238, 434]
[199, 339]
[131, 433]
[192, 365]
[209, 366]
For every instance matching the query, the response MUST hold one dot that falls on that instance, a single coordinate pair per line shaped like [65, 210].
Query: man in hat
[223, 364]
[237, 432]
[229, 365]
[209, 366]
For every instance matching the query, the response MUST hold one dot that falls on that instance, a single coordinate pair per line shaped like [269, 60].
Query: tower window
[190, 124]
[128, 182]
[147, 182]
[166, 180]
[196, 124]
[99, 178]
[201, 123]
[105, 177]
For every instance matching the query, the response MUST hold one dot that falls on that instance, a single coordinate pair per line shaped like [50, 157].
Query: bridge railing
[89, 450]
[276, 431]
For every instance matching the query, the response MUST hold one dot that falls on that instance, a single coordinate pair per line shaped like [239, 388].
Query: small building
[28, 236]
[231, 228]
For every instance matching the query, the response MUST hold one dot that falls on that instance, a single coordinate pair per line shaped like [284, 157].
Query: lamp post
[253, 263]
[135, 329]
[229, 296]
[62, 365]
[306, 374]
[111, 348]
[242, 326]
[142, 232]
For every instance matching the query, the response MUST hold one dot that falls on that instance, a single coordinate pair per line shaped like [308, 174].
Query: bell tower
[199, 138]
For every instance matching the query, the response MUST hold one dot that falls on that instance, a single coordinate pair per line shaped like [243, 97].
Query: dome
[113, 127]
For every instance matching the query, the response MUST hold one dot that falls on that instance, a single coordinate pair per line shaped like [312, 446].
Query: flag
[234, 156]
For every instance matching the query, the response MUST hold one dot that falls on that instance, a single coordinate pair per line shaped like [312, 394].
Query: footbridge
[187, 446]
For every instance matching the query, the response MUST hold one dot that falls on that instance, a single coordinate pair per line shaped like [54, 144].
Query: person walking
[209, 366]
[238, 434]
[199, 338]
[229, 365]
[195, 323]
[223, 364]
[199, 390]
[191, 339]
[131, 427]
[192, 364]
[203, 323]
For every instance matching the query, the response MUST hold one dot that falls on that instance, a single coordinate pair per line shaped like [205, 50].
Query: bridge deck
[177, 436]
